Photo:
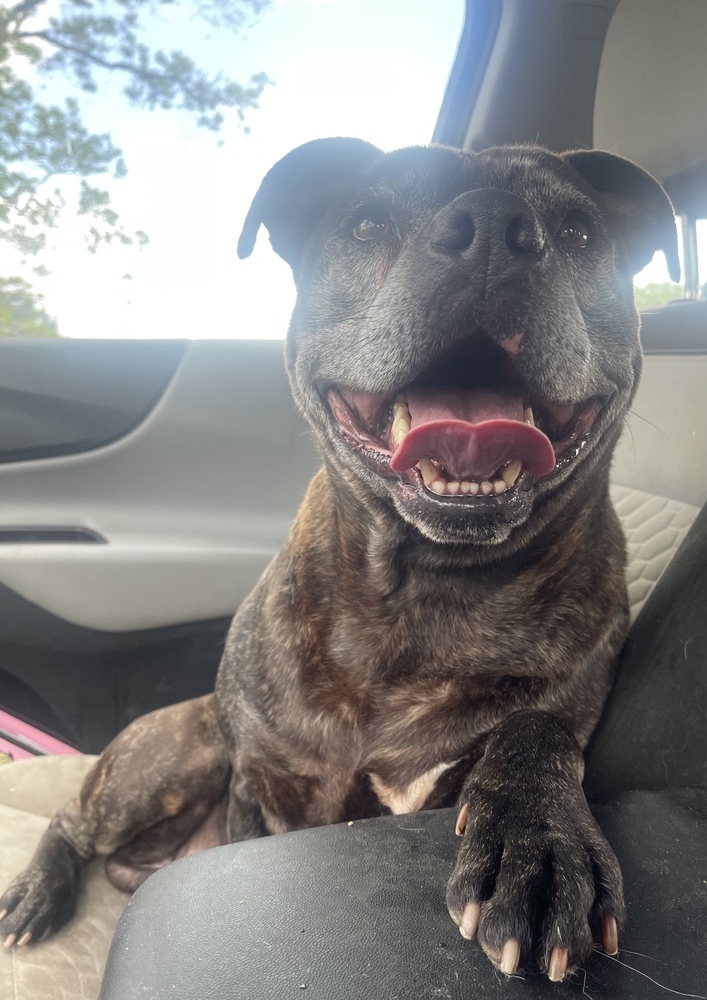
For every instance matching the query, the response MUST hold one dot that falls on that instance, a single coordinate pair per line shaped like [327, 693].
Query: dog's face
[464, 342]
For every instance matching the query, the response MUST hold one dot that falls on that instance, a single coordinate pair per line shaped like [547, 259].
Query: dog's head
[464, 342]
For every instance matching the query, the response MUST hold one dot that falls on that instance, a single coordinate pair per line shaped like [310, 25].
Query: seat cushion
[69, 966]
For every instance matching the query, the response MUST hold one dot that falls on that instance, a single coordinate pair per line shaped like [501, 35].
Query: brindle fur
[393, 656]
[381, 640]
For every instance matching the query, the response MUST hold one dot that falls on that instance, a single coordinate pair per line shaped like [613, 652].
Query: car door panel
[59, 397]
[121, 565]
[192, 503]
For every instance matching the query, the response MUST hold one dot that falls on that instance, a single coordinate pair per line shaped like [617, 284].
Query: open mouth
[466, 430]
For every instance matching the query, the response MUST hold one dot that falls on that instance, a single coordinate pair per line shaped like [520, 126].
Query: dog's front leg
[535, 875]
[244, 820]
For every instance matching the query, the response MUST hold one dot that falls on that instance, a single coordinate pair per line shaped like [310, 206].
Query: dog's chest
[412, 796]
[418, 693]
[406, 733]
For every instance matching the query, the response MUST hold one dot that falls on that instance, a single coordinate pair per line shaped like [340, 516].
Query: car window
[702, 257]
[178, 166]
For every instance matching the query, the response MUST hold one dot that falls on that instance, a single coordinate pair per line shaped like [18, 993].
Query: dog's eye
[372, 226]
[574, 232]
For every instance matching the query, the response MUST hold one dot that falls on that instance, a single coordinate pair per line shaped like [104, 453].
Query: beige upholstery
[70, 965]
[655, 528]
[645, 99]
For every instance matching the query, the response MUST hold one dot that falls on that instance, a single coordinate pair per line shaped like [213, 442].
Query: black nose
[490, 219]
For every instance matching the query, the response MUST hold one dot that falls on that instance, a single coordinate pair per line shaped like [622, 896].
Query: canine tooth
[498, 486]
[510, 472]
[438, 486]
[465, 485]
[473, 488]
[400, 429]
[528, 416]
[429, 472]
[400, 411]
[486, 487]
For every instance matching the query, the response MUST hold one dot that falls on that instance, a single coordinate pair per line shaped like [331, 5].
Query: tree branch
[20, 11]
[143, 74]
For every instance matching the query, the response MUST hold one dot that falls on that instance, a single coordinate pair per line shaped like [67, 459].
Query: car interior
[129, 534]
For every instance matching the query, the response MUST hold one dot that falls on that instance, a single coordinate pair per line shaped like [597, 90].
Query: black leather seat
[358, 911]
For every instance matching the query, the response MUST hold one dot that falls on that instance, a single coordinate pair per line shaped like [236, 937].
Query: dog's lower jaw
[447, 525]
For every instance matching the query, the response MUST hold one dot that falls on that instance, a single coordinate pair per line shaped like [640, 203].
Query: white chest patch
[412, 798]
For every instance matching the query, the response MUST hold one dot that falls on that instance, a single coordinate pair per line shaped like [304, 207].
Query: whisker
[679, 993]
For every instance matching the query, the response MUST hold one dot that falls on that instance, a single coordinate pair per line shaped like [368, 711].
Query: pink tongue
[471, 434]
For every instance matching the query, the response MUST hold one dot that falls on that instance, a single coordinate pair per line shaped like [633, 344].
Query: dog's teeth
[453, 487]
[438, 486]
[400, 428]
[473, 488]
[528, 416]
[498, 486]
[465, 486]
[510, 472]
[401, 422]
[401, 412]
[428, 470]
[486, 487]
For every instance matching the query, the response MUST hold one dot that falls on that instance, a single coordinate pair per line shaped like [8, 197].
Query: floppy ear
[640, 205]
[296, 193]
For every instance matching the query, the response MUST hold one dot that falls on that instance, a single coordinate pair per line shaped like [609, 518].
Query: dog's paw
[535, 884]
[36, 904]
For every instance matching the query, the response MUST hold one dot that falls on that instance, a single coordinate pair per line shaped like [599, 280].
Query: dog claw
[510, 956]
[25, 939]
[461, 820]
[469, 921]
[9, 940]
[610, 935]
[558, 964]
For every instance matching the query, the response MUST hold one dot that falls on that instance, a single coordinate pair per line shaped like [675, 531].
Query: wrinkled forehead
[432, 176]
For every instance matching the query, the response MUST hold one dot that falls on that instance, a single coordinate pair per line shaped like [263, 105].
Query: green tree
[80, 43]
[657, 294]
[22, 313]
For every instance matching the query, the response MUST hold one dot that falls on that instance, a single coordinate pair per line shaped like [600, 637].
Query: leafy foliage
[82, 42]
[22, 313]
[657, 294]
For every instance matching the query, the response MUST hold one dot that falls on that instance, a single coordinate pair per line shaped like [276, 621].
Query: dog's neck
[376, 545]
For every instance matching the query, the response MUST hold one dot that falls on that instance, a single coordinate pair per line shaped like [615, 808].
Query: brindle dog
[444, 622]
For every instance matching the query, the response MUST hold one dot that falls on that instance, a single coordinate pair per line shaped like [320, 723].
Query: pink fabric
[17, 753]
[31, 735]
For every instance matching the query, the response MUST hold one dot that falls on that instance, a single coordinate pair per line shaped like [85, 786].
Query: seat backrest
[653, 733]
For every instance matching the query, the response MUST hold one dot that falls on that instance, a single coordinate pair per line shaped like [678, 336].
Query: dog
[443, 625]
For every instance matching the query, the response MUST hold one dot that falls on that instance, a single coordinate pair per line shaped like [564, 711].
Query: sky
[366, 68]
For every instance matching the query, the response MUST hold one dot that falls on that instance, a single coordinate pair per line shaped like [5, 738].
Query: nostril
[524, 235]
[453, 231]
